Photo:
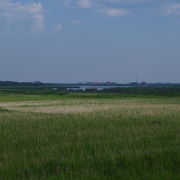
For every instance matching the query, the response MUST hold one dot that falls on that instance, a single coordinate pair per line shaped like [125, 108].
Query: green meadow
[89, 136]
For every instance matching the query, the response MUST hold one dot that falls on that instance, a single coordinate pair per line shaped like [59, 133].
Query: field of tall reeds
[84, 139]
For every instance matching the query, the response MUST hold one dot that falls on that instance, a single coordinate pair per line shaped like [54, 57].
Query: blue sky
[90, 40]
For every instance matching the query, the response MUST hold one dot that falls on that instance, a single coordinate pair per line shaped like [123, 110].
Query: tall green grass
[118, 144]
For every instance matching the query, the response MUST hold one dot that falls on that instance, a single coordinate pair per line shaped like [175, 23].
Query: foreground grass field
[112, 138]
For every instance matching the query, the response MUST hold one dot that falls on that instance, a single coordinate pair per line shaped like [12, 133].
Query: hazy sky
[90, 40]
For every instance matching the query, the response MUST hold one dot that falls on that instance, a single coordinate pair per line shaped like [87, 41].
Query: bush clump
[3, 110]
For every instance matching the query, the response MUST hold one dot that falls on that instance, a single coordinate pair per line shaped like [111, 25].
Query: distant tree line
[12, 83]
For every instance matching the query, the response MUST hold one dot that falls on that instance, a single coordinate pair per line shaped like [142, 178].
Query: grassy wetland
[89, 136]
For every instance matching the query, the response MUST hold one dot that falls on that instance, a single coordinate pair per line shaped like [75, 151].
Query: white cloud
[85, 3]
[102, 6]
[113, 12]
[128, 1]
[17, 11]
[58, 27]
[171, 9]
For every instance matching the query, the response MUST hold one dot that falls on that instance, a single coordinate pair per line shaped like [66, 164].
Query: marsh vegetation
[89, 138]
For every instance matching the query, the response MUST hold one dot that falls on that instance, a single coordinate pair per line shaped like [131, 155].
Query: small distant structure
[143, 83]
[134, 83]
